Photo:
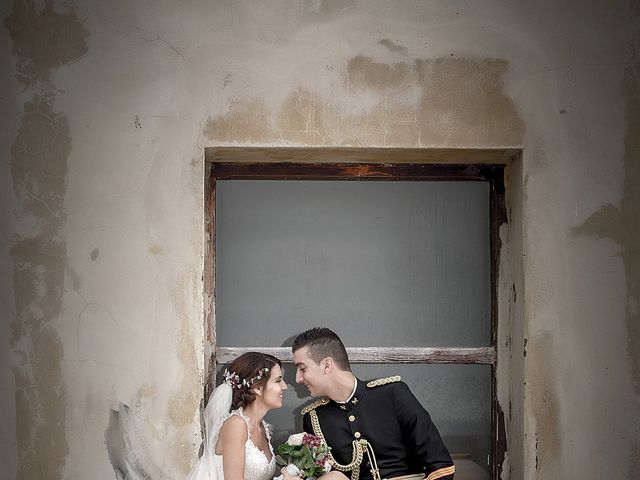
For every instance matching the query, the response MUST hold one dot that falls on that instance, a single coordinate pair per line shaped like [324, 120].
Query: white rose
[327, 466]
[292, 470]
[295, 439]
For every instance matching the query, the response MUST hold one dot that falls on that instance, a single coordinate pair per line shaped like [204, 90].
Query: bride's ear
[258, 391]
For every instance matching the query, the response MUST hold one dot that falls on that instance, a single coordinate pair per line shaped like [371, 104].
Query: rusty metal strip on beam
[417, 355]
[348, 171]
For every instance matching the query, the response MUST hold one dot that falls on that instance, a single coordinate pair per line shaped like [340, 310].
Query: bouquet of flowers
[304, 454]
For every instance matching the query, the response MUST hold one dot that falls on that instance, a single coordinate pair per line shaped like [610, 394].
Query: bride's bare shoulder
[235, 423]
[234, 433]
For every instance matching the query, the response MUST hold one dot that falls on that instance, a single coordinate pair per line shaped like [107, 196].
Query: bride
[237, 444]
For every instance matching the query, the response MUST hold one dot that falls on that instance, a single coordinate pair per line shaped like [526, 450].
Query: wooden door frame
[367, 164]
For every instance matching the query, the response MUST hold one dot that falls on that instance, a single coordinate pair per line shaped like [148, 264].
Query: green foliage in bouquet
[307, 452]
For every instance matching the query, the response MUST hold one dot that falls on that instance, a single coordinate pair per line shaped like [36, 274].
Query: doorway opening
[400, 258]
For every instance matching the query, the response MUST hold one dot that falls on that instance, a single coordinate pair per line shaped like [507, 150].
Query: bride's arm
[231, 443]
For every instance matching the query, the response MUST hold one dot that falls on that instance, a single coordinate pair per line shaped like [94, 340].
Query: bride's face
[273, 391]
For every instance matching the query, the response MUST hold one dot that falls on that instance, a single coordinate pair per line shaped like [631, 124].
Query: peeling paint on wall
[38, 169]
[181, 408]
[545, 406]
[465, 97]
[459, 99]
[302, 118]
[44, 39]
[622, 224]
[244, 122]
[363, 73]
[126, 447]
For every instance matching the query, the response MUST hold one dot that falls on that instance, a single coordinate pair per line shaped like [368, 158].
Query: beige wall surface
[107, 107]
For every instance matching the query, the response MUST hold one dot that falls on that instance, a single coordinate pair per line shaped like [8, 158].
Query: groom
[376, 430]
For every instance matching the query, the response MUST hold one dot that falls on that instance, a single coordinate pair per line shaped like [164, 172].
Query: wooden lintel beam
[350, 171]
[481, 355]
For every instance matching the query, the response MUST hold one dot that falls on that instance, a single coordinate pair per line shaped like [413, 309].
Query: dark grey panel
[382, 263]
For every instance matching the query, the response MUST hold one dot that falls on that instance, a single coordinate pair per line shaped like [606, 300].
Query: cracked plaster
[461, 99]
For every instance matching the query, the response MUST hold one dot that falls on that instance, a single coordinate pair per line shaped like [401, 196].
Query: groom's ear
[327, 364]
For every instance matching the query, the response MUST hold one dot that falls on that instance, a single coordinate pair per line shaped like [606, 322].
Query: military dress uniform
[381, 432]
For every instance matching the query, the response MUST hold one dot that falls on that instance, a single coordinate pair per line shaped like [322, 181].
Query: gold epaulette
[383, 381]
[314, 405]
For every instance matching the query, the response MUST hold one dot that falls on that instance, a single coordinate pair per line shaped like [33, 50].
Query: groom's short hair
[322, 343]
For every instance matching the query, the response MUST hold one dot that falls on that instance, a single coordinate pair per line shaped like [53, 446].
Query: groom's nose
[298, 376]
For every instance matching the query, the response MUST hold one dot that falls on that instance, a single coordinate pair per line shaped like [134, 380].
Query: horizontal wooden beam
[481, 355]
[350, 171]
[360, 155]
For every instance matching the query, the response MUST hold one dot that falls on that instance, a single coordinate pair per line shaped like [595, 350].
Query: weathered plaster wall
[106, 110]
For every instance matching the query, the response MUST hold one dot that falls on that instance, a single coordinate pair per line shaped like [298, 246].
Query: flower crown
[233, 379]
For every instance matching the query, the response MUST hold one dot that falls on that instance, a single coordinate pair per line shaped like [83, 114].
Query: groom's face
[309, 373]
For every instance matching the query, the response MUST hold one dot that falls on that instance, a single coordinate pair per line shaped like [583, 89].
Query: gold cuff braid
[441, 472]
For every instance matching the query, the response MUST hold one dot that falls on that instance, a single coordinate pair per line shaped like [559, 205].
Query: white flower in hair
[233, 379]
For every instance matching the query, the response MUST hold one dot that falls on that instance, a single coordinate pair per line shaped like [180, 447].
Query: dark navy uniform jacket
[404, 439]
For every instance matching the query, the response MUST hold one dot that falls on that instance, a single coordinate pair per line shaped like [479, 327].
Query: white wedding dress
[209, 466]
[256, 464]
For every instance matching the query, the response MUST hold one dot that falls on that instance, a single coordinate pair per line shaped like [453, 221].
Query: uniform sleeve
[306, 424]
[420, 432]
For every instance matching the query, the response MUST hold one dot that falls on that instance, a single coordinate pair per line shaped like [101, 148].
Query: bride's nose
[284, 385]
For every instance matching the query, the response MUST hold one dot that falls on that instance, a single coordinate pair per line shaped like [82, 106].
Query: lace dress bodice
[256, 464]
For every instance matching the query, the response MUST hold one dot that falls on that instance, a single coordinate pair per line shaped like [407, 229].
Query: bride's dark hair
[250, 367]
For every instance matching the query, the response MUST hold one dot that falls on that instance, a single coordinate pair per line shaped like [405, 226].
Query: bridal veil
[215, 413]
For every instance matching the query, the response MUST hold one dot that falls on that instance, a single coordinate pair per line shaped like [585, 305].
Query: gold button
[351, 418]
[356, 434]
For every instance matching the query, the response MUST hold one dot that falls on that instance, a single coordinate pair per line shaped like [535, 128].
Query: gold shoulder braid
[384, 381]
[359, 447]
[314, 405]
